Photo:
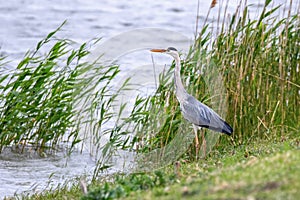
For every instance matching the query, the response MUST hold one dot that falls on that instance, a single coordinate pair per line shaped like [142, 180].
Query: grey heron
[199, 114]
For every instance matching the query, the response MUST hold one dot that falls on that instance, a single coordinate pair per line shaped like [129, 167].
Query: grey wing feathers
[203, 116]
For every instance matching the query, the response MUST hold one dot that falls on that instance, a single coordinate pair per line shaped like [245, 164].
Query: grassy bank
[262, 170]
[259, 170]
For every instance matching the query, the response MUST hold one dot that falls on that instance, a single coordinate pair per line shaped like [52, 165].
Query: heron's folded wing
[203, 116]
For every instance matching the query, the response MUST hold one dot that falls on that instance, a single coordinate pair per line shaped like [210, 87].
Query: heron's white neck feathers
[180, 91]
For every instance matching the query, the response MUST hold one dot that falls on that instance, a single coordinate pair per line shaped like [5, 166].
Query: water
[24, 23]
[28, 172]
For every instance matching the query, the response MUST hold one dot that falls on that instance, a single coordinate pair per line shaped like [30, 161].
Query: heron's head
[171, 51]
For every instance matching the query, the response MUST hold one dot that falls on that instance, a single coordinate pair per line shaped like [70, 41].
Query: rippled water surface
[24, 22]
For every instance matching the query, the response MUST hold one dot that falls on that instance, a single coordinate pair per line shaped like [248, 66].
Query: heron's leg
[203, 146]
[196, 140]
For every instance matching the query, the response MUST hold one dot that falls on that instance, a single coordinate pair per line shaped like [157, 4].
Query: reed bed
[36, 98]
[259, 60]
[40, 99]
[246, 69]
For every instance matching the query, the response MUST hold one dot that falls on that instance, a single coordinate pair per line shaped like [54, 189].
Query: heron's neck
[180, 91]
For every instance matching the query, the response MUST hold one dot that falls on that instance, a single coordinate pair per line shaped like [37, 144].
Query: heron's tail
[223, 127]
[227, 129]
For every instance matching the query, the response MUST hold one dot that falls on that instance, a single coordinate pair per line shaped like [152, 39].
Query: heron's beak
[158, 50]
